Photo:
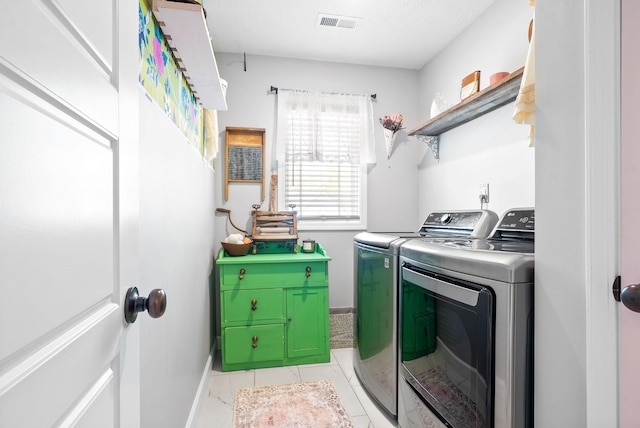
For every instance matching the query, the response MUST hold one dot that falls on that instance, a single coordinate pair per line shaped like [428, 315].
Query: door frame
[629, 377]
[127, 183]
[602, 190]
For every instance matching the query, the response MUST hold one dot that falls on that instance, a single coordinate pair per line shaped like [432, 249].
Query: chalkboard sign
[245, 157]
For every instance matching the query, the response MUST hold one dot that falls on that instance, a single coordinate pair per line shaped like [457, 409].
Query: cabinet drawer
[247, 306]
[253, 343]
[281, 274]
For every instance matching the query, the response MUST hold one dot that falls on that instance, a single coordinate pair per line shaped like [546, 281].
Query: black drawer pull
[307, 271]
[254, 345]
[242, 272]
[254, 303]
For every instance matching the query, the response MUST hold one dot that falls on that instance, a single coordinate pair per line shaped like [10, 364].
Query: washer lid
[378, 240]
[468, 258]
[489, 244]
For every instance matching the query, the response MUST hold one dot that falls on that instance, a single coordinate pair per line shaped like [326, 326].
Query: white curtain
[317, 120]
[210, 135]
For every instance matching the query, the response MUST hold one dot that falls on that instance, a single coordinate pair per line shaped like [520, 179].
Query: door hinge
[616, 288]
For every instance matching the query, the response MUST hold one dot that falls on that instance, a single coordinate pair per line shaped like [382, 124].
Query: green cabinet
[274, 309]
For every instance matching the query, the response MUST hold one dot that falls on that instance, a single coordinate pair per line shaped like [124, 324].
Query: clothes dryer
[466, 328]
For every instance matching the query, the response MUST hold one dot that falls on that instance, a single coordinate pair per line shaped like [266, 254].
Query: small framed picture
[470, 85]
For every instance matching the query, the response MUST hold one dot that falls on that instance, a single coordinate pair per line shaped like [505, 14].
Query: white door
[630, 210]
[68, 198]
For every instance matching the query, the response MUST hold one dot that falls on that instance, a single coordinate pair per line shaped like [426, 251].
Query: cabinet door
[307, 322]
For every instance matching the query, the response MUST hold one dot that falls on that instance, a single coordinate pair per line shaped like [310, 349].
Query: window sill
[305, 226]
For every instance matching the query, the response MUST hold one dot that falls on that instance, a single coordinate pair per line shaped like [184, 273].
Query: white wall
[493, 148]
[560, 270]
[176, 248]
[392, 184]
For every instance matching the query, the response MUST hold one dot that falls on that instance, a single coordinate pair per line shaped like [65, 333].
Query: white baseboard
[201, 393]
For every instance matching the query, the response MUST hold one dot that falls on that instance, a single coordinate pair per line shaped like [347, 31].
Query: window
[324, 144]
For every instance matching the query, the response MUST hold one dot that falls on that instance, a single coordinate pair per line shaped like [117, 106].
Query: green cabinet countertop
[299, 257]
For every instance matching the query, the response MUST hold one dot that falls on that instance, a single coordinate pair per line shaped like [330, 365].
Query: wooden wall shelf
[489, 99]
[185, 28]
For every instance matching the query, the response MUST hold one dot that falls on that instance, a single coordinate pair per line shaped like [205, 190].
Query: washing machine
[465, 346]
[376, 296]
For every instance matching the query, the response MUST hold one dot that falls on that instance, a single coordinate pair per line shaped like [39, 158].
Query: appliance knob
[445, 219]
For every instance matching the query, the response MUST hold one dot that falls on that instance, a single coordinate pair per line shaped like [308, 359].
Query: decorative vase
[389, 138]
[438, 105]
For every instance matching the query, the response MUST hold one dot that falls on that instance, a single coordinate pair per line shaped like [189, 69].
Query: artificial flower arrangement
[393, 122]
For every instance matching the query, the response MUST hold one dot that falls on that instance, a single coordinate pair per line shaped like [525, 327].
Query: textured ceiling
[401, 33]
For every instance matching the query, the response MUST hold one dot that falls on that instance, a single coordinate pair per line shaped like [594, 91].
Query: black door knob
[155, 304]
[630, 297]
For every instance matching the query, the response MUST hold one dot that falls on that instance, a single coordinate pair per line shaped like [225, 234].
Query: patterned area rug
[299, 405]
[341, 326]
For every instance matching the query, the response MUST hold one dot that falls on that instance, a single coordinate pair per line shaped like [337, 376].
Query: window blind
[322, 169]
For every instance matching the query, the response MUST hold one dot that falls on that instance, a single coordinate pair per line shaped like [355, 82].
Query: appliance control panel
[518, 219]
[457, 220]
[467, 223]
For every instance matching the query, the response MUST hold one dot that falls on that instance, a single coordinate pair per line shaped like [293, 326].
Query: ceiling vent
[337, 21]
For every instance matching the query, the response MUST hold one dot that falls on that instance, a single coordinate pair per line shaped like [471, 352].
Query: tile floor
[217, 408]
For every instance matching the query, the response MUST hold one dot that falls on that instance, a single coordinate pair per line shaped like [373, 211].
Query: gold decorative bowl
[236, 249]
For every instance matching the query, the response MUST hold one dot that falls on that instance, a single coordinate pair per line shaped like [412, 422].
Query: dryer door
[447, 347]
